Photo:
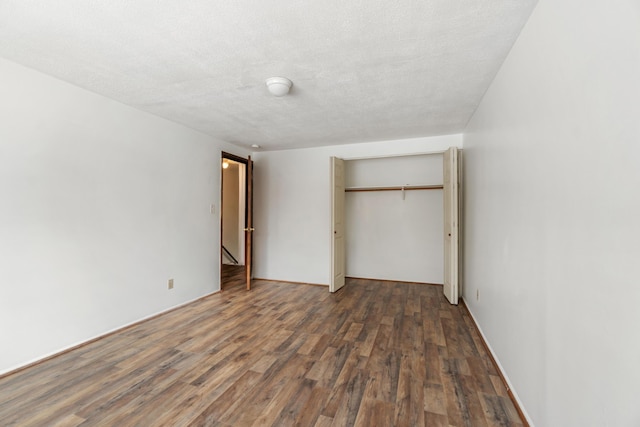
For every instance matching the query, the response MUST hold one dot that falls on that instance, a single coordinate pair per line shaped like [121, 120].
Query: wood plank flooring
[373, 354]
[232, 275]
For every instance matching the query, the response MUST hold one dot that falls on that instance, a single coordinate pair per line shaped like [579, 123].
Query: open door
[248, 231]
[451, 225]
[337, 225]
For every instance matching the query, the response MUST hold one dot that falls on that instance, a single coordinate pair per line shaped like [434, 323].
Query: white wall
[390, 237]
[552, 175]
[100, 205]
[292, 204]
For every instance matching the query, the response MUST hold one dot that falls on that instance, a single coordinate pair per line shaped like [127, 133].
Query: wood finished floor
[374, 354]
[232, 275]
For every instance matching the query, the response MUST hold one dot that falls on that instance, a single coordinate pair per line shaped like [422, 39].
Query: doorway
[233, 224]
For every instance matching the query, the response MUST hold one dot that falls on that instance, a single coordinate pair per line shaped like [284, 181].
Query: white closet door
[337, 225]
[451, 225]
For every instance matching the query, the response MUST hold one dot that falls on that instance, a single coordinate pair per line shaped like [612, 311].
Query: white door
[337, 225]
[451, 225]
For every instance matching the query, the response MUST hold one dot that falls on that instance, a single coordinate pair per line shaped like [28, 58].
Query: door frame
[228, 156]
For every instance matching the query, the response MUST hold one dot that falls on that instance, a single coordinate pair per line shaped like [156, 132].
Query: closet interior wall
[395, 235]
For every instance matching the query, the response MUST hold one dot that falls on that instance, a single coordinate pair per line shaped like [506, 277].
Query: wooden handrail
[229, 255]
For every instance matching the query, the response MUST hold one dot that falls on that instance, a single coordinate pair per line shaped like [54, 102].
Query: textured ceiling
[362, 70]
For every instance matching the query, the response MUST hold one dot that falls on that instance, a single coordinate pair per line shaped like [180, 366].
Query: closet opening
[393, 211]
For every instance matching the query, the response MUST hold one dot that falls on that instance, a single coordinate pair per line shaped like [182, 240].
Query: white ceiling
[363, 70]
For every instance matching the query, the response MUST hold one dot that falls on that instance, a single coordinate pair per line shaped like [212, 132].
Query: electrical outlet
[477, 294]
[170, 283]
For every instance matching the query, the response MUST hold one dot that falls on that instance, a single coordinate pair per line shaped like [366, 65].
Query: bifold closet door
[451, 225]
[337, 225]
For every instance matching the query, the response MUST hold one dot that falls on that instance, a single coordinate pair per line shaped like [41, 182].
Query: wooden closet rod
[406, 187]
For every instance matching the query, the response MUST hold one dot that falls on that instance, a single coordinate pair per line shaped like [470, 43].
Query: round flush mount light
[279, 86]
[255, 146]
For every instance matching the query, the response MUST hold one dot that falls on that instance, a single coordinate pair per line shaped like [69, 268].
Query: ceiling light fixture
[255, 146]
[279, 86]
[225, 164]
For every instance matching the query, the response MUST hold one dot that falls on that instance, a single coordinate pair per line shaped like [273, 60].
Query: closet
[392, 223]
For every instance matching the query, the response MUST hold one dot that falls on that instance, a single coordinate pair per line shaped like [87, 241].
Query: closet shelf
[401, 188]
